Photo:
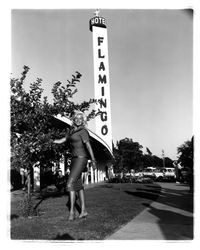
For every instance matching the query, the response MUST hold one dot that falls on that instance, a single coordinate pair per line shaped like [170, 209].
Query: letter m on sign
[102, 79]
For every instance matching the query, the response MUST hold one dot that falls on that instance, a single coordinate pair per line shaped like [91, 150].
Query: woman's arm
[59, 141]
[64, 139]
[89, 148]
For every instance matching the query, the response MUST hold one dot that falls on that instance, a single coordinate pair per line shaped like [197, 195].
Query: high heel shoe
[71, 216]
[83, 215]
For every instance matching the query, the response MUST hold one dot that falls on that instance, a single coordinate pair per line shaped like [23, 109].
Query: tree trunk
[29, 183]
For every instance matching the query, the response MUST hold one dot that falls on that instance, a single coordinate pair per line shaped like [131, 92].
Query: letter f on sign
[100, 40]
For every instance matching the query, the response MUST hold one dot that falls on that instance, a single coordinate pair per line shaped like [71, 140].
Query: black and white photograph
[101, 130]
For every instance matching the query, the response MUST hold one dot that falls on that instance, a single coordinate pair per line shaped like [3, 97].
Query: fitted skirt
[74, 182]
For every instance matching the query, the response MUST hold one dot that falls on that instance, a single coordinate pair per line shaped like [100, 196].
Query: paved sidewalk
[170, 217]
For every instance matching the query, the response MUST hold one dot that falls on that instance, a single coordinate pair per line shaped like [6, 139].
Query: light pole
[163, 157]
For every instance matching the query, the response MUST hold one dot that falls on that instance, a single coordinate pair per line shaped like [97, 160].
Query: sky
[150, 64]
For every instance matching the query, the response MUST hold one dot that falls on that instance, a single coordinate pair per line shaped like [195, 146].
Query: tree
[148, 151]
[168, 162]
[186, 159]
[117, 159]
[186, 153]
[31, 120]
[157, 161]
[129, 155]
[148, 160]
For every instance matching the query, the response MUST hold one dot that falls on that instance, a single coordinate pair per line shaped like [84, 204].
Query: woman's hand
[64, 139]
[94, 164]
[93, 161]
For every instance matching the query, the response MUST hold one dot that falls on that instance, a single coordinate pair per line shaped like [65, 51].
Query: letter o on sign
[104, 130]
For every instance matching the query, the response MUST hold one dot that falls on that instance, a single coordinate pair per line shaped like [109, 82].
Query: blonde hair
[78, 112]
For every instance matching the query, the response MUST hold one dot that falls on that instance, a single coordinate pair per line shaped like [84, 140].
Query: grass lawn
[110, 206]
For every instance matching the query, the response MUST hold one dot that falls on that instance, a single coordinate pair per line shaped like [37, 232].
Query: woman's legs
[74, 184]
[72, 196]
[82, 201]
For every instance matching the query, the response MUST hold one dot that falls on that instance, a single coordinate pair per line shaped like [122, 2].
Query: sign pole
[101, 78]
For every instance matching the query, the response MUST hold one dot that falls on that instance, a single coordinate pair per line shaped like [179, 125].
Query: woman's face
[78, 120]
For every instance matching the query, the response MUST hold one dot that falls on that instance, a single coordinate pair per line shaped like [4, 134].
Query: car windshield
[148, 170]
[158, 171]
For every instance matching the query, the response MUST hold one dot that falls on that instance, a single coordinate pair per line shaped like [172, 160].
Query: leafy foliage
[32, 116]
[186, 154]
[128, 155]
[168, 163]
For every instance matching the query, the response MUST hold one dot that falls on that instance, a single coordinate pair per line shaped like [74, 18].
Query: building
[103, 155]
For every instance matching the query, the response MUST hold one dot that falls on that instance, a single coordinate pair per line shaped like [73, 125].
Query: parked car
[158, 175]
[149, 172]
[138, 174]
[165, 174]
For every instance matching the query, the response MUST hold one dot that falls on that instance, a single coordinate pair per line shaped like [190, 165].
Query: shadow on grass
[154, 186]
[63, 237]
[45, 195]
[77, 206]
[144, 195]
[168, 221]
[51, 194]
[157, 191]
[14, 216]
[48, 195]
[109, 185]
[171, 197]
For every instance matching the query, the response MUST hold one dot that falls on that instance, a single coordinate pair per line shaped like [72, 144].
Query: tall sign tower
[101, 78]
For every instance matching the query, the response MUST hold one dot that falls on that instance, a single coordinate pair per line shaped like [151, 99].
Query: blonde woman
[81, 151]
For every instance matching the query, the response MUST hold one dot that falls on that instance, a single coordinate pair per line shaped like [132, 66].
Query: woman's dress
[77, 140]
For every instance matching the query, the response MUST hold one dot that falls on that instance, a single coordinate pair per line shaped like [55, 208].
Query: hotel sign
[98, 22]
[101, 78]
